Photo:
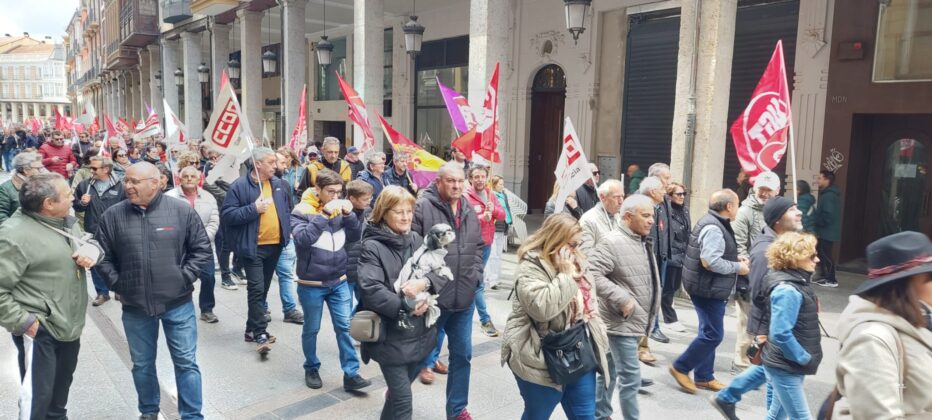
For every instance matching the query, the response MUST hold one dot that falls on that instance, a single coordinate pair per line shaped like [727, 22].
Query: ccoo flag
[572, 168]
[760, 132]
[227, 132]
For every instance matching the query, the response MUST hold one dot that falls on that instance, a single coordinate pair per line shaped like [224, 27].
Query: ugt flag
[572, 168]
[760, 132]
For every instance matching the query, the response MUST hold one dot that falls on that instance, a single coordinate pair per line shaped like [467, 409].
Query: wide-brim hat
[896, 257]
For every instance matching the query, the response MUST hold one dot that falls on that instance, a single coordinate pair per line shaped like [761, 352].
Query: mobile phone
[565, 253]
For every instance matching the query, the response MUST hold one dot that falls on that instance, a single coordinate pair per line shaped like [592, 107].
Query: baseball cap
[767, 180]
[352, 149]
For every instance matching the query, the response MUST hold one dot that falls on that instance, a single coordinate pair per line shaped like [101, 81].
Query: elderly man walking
[24, 166]
[205, 206]
[155, 248]
[627, 282]
[92, 198]
[710, 271]
[41, 265]
[748, 225]
[443, 202]
[330, 149]
[603, 218]
[374, 175]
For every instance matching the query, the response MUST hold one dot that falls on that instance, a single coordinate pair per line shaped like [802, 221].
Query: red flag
[357, 113]
[59, 120]
[299, 135]
[95, 126]
[488, 126]
[468, 143]
[37, 126]
[760, 132]
[123, 125]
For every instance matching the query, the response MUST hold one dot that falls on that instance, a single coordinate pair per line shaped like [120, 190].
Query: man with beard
[331, 151]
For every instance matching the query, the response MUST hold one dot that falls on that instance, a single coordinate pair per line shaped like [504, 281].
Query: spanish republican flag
[423, 166]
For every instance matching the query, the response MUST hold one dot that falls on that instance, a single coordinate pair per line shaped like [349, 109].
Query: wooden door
[547, 100]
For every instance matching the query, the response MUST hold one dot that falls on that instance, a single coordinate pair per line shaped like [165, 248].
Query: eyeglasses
[97, 168]
[596, 172]
[679, 194]
[121, 155]
[333, 191]
[575, 244]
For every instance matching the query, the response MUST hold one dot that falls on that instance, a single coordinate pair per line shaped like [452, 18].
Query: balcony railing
[138, 22]
[174, 11]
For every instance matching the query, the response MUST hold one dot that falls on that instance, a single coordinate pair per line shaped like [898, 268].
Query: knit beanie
[775, 208]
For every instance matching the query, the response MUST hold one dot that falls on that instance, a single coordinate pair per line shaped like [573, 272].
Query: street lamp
[179, 77]
[576, 11]
[203, 73]
[269, 62]
[233, 69]
[324, 51]
[414, 32]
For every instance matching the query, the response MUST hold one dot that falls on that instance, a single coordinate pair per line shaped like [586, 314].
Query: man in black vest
[710, 271]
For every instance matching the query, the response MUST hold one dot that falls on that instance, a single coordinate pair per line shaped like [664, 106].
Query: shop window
[904, 39]
[328, 88]
[448, 60]
[387, 75]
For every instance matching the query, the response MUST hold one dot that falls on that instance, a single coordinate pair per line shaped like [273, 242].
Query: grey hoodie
[868, 370]
[748, 224]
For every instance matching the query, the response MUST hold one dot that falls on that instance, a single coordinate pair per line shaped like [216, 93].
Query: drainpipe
[691, 102]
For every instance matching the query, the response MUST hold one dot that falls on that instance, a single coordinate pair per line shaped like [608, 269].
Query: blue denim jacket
[785, 301]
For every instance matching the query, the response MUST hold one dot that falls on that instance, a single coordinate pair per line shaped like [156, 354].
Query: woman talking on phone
[555, 303]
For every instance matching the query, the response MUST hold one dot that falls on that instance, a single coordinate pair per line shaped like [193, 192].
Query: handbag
[367, 327]
[569, 354]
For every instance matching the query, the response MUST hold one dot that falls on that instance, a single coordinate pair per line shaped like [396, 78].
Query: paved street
[238, 385]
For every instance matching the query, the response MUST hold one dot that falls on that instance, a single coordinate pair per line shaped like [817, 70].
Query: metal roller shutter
[650, 88]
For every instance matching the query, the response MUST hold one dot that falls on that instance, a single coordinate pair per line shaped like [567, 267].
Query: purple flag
[460, 112]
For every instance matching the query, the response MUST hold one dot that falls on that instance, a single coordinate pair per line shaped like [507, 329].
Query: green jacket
[827, 218]
[38, 278]
[9, 200]
[635, 182]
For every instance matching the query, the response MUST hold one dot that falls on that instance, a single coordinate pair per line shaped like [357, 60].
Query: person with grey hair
[256, 215]
[627, 282]
[399, 175]
[330, 151]
[604, 217]
[48, 266]
[24, 166]
[374, 174]
[710, 271]
[652, 187]
[92, 197]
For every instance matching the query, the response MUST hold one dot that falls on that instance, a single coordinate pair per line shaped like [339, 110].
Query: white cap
[767, 180]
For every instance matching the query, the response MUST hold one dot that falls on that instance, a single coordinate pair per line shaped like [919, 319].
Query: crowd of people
[593, 286]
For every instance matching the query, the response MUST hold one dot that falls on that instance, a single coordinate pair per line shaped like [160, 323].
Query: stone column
[3, 113]
[14, 112]
[491, 24]
[368, 63]
[713, 80]
[250, 25]
[25, 111]
[191, 43]
[48, 110]
[121, 95]
[35, 109]
[130, 101]
[143, 94]
[170, 63]
[155, 65]
[294, 58]
[219, 54]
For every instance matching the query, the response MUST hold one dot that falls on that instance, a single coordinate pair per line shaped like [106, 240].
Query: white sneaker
[675, 327]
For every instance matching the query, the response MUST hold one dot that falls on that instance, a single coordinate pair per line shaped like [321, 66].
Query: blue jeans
[459, 326]
[205, 299]
[480, 291]
[285, 272]
[623, 366]
[751, 379]
[789, 399]
[8, 159]
[339, 300]
[578, 399]
[700, 355]
[99, 284]
[142, 335]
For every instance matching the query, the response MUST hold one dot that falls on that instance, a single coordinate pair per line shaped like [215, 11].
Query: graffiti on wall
[834, 161]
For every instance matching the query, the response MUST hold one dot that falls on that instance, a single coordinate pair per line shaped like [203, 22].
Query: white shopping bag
[25, 391]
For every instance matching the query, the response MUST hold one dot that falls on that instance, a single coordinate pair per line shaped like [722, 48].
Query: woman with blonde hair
[793, 346]
[387, 244]
[553, 296]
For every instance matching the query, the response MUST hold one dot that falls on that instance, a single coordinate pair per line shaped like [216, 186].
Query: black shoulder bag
[569, 354]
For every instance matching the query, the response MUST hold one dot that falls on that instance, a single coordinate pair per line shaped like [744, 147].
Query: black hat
[775, 208]
[896, 257]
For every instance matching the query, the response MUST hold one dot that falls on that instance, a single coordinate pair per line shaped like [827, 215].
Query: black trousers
[672, 283]
[223, 257]
[53, 364]
[824, 249]
[398, 404]
[259, 270]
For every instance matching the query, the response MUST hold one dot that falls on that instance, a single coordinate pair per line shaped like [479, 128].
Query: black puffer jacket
[679, 234]
[99, 202]
[353, 248]
[152, 255]
[382, 255]
[464, 255]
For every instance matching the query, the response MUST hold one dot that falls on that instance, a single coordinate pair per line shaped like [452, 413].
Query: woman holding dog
[386, 245]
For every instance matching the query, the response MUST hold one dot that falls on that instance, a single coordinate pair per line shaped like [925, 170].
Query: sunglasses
[121, 155]
[679, 194]
[596, 172]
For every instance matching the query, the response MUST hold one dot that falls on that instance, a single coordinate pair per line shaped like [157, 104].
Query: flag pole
[793, 160]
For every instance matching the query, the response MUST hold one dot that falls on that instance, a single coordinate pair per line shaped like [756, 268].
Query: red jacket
[478, 202]
[63, 153]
